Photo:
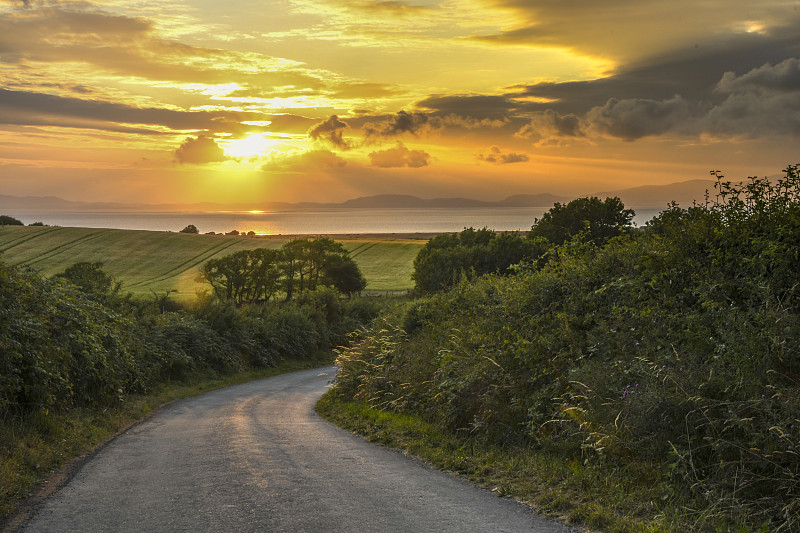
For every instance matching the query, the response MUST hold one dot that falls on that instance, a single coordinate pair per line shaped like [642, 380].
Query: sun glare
[252, 144]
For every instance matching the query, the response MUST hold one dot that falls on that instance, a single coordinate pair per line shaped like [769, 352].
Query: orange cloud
[499, 157]
[199, 151]
[400, 156]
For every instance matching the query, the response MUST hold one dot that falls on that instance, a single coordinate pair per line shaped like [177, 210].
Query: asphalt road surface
[255, 457]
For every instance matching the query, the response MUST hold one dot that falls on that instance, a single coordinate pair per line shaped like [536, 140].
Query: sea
[331, 221]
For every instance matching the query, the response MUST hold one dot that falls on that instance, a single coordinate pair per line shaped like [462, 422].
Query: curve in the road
[256, 457]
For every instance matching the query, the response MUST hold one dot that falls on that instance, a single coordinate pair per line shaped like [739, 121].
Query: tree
[342, 273]
[301, 265]
[6, 220]
[91, 279]
[246, 276]
[446, 258]
[191, 228]
[600, 220]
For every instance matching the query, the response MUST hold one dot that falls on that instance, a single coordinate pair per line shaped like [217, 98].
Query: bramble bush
[678, 345]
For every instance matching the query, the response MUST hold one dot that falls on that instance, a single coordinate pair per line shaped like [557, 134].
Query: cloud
[628, 119]
[634, 118]
[762, 102]
[551, 123]
[480, 107]
[784, 77]
[398, 124]
[400, 156]
[199, 151]
[499, 157]
[690, 71]
[330, 130]
[288, 123]
[131, 46]
[305, 161]
[612, 29]
[389, 7]
[36, 109]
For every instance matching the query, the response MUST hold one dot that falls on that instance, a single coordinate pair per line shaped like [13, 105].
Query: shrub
[676, 346]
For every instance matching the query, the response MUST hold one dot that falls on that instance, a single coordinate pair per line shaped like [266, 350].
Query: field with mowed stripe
[151, 261]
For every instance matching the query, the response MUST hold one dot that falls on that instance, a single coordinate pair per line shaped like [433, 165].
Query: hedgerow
[65, 345]
[677, 345]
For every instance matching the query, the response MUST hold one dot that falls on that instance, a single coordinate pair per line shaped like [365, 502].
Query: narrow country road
[255, 457]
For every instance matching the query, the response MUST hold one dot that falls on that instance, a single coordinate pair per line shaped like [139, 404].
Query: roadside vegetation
[79, 358]
[626, 379]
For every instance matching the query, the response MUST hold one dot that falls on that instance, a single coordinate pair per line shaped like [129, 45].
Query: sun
[251, 145]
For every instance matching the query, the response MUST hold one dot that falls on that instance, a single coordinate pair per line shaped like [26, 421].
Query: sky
[245, 101]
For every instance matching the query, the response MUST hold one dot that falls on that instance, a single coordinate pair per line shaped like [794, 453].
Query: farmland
[147, 261]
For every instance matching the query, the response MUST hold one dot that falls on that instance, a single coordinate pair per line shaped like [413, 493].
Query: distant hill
[684, 193]
[653, 196]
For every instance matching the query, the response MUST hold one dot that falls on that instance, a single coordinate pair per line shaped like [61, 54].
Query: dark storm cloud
[692, 72]
[27, 108]
[199, 151]
[784, 77]
[549, 123]
[634, 118]
[743, 85]
[614, 29]
[763, 101]
[473, 106]
[330, 130]
[398, 124]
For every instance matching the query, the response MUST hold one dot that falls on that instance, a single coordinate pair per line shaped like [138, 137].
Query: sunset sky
[168, 101]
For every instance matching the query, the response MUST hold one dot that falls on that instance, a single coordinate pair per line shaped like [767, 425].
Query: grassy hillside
[148, 261]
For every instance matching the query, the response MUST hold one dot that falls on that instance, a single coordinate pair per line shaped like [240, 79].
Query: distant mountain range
[652, 196]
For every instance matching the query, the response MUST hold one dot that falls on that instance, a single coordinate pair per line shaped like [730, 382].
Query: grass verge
[616, 498]
[38, 453]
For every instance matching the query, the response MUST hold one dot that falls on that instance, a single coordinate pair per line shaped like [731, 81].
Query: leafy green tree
[446, 258]
[191, 228]
[599, 220]
[246, 276]
[294, 266]
[301, 265]
[92, 280]
[342, 273]
[6, 220]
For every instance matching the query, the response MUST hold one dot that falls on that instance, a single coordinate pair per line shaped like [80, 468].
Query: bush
[447, 258]
[675, 346]
[64, 342]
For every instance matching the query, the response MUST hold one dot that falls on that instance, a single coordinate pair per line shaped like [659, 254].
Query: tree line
[448, 258]
[301, 265]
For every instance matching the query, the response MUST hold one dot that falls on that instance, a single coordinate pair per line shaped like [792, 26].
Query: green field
[151, 261]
